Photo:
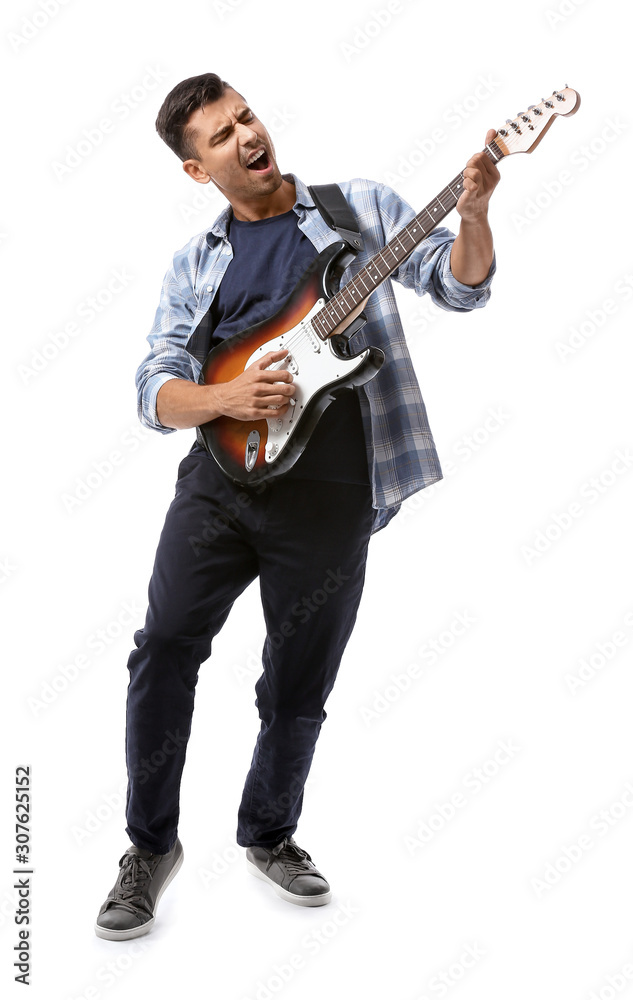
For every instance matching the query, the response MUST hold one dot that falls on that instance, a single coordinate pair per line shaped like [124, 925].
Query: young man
[304, 534]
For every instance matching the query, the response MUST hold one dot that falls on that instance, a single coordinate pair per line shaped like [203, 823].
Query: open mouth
[259, 162]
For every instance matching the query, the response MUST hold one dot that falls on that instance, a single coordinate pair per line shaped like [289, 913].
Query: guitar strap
[335, 210]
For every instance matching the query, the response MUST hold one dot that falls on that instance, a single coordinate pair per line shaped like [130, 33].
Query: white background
[544, 589]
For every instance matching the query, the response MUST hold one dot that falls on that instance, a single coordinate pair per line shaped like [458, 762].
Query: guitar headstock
[524, 133]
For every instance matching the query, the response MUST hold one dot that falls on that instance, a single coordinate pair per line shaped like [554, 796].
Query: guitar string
[299, 345]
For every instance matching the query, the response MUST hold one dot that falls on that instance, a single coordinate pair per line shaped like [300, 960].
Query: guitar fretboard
[387, 260]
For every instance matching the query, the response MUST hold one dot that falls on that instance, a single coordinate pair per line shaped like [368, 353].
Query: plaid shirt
[401, 452]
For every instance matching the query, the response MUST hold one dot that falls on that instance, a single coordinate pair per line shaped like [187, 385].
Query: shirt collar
[219, 227]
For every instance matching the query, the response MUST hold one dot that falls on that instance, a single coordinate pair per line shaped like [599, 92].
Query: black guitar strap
[335, 210]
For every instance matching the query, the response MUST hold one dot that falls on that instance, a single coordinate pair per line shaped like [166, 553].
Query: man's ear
[196, 171]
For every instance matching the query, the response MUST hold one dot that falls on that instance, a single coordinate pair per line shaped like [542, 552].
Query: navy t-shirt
[269, 257]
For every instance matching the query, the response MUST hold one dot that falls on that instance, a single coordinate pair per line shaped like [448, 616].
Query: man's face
[228, 138]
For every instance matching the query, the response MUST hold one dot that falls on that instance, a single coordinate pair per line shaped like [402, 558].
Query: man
[304, 534]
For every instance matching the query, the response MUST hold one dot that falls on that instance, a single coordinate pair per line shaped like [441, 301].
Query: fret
[317, 325]
[388, 247]
[333, 304]
[455, 196]
[343, 296]
[379, 254]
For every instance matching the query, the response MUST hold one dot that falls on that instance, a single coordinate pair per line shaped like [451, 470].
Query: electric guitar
[318, 318]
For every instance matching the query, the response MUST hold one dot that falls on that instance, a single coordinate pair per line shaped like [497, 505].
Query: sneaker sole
[110, 934]
[290, 897]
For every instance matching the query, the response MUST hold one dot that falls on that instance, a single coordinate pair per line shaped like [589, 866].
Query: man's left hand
[481, 177]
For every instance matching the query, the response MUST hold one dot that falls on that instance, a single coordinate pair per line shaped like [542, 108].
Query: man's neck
[280, 201]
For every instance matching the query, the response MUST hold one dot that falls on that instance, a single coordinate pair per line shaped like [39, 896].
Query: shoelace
[295, 859]
[132, 882]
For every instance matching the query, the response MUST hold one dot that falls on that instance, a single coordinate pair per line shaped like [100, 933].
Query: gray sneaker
[290, 871]
[129, 909]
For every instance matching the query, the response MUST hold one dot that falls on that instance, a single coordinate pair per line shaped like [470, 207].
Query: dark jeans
[307, 541]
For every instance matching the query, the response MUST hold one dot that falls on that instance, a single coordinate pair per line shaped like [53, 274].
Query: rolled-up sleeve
[428, 268]
[167, 358]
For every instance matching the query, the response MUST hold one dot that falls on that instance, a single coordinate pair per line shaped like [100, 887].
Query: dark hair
[180, 104]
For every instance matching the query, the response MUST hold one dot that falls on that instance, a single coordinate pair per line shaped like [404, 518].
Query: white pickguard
[313, 364]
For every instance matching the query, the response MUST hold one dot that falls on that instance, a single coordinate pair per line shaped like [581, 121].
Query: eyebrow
[227, 128]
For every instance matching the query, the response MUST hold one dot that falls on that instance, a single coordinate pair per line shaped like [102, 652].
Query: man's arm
[181, 404]
[472, 251]
[170, 397]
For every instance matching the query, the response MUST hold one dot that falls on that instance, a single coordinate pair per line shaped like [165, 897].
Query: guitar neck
[387, 260]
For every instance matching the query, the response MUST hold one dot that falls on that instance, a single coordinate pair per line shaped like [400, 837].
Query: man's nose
[245, 133]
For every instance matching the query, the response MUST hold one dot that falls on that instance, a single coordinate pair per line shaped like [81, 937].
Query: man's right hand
[250, 395]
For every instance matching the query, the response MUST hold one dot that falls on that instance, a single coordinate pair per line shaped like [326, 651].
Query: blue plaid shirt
[401, 452]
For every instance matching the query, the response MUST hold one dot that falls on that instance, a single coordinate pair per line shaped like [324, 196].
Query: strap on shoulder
[336, 211]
